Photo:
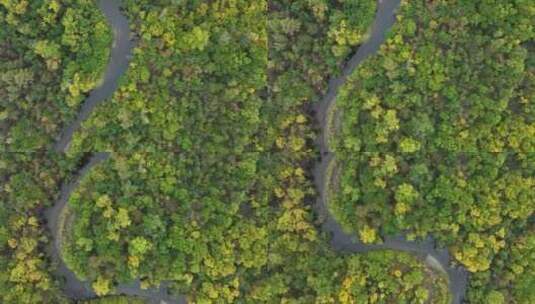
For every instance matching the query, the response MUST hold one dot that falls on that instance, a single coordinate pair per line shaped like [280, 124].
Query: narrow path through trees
[117, 66]
[342, 241]
[73, 287]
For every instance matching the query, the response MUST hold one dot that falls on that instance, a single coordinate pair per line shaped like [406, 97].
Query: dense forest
[435, 136]
[236, 164]
[114, 300]
[30, 182]
[51, 54]
[212, 132]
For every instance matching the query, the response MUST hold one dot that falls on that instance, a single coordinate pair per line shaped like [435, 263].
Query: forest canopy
[208, 188]
[51, 54]
[436, 136]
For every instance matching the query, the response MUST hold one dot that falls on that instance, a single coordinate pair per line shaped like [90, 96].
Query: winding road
[342, 241]
[117, 66]
[72, 287]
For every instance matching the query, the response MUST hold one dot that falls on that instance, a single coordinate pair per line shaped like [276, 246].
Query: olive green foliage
[192, 85]
[49, 58]
[437, 134]
[208, 186]
[510, 278]
[168, 206]
[30, 181]
[51, 54]
[207, 182]
[114, 300]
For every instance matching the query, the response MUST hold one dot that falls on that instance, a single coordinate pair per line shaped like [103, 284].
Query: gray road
[344, 242]
[117, 66]
[72, 287]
